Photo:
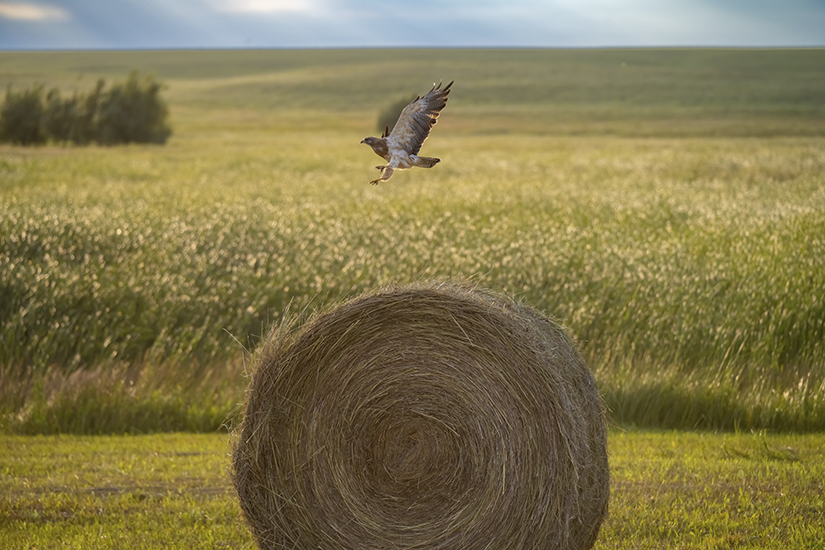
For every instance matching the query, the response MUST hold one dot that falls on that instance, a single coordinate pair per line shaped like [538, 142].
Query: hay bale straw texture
[433, 416]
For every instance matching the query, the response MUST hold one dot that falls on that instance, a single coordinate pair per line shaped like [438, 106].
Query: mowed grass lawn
[667, 206]
[172, 491]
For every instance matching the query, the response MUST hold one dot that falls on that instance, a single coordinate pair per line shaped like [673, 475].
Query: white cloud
[392, 23]
[264, 6]
[30, 12]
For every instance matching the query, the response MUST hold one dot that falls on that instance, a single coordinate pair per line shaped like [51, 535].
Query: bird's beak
[364, 140]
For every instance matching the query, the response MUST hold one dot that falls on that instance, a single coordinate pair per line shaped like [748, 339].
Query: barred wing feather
[418, 118]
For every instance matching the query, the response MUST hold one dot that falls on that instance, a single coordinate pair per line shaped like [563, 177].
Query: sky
[162, 24]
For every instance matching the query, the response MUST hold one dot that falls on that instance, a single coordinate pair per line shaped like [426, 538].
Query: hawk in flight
[400, 147]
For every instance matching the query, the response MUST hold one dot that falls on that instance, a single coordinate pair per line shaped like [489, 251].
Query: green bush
[130, 112]
[84, 129]
[389, 116]
[133, 112]
[58, 116]
[20, 117]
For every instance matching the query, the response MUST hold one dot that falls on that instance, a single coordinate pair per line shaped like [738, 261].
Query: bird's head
[379, 145]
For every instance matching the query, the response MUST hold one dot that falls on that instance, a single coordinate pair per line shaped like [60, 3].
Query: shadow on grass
[124, 400]
[669, 406]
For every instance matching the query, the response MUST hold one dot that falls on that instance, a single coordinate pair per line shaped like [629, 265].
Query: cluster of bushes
[131, 111]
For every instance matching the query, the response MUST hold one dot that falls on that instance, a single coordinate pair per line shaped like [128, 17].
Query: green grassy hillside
[668, 206]
[627, 92]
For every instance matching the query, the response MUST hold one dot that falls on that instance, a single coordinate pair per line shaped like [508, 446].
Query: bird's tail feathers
[426, 162]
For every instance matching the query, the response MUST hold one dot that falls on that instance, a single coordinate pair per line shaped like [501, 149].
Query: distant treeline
[131, 111]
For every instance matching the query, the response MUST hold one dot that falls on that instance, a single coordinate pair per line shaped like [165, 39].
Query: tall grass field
[666, 206]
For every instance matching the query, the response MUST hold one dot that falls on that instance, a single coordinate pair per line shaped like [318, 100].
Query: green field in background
[642, 92]
[667, 205]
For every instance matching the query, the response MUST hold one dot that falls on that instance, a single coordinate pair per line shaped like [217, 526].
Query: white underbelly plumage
[401, 160]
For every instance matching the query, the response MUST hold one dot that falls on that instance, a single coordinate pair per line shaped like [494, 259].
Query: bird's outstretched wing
[418, 118]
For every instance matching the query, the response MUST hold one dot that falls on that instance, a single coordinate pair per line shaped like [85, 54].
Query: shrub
[84, 128]
[389, 116]
[58, 116]
[133, 112]
[20, 117]
[128, 112]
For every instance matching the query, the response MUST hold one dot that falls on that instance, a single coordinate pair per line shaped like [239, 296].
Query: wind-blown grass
[690, 269]
[685, 268]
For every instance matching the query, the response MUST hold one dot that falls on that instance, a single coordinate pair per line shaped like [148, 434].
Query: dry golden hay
[433, 417]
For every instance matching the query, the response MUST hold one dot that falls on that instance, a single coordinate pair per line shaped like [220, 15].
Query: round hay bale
[434, 417]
